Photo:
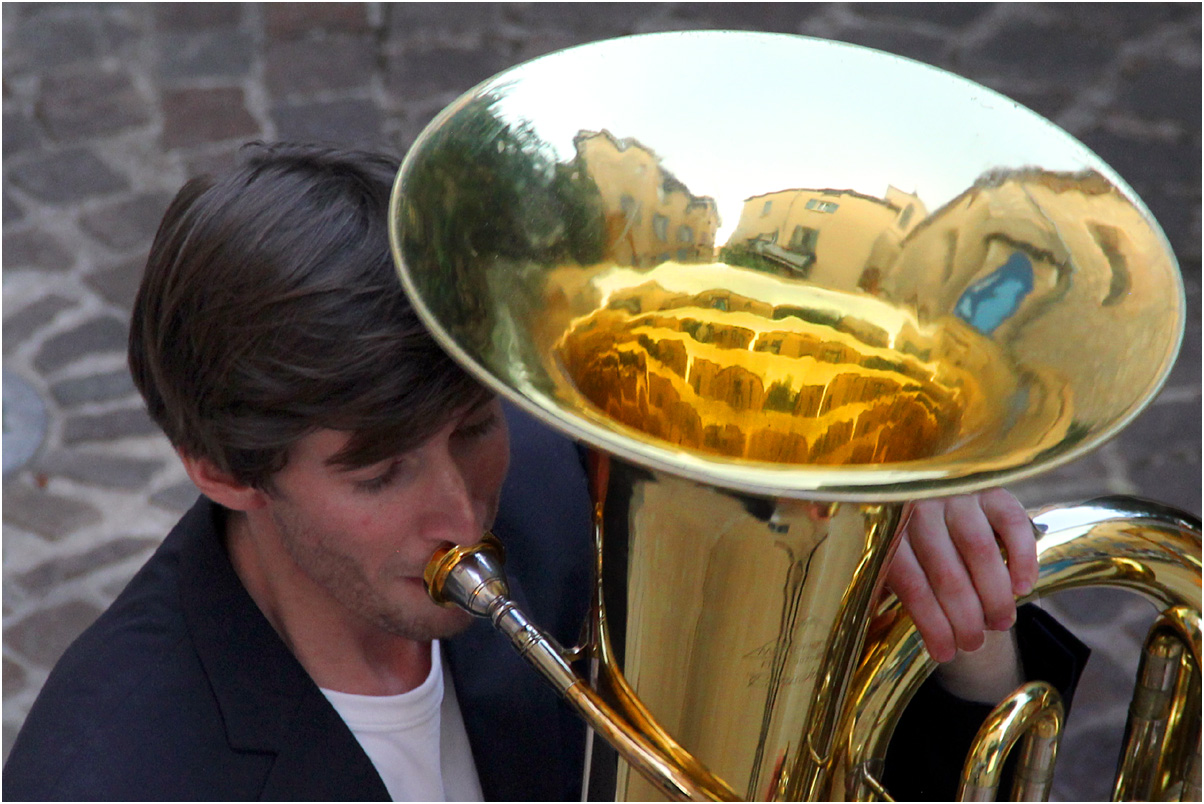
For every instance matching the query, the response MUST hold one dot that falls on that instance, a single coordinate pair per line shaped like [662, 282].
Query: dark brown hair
[270, 308]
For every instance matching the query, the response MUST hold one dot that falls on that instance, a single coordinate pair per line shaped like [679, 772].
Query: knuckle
[978, 545]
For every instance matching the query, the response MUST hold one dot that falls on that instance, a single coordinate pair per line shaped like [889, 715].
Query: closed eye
[478, 429]
[374, 484]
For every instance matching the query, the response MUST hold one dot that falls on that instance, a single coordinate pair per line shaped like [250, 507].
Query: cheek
[489, 464]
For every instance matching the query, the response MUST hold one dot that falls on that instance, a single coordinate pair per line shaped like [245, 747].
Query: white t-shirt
[416, 740]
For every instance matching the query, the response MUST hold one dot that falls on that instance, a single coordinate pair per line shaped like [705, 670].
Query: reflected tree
[480, 190]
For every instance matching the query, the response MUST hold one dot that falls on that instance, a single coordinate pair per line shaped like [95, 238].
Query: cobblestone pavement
[109, 107]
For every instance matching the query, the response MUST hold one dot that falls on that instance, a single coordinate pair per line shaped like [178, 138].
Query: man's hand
[949, 572]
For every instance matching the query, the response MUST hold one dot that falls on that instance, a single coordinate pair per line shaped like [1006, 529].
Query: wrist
[987, 675]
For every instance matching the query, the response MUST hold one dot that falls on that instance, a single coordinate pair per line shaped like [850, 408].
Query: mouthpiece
[469, 577]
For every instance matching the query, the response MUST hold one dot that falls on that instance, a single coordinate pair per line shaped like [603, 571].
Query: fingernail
[1003, 623]
[940, 657]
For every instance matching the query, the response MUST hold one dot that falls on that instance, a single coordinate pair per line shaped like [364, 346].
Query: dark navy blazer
[182, 689]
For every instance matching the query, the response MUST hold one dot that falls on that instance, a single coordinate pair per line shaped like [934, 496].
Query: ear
[220, 486]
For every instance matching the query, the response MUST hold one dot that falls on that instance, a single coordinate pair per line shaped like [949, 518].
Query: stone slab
[105, 334]
[45, 513]
[67, 176]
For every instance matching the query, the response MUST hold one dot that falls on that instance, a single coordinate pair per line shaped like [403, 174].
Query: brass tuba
[782, 286]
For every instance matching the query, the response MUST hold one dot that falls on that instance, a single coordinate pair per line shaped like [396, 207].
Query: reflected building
[837, 238]
[651, 216]
[1008, 240]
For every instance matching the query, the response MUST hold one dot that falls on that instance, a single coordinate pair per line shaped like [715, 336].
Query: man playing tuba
[280, 643]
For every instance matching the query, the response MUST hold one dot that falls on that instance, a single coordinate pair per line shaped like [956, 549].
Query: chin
[438, 624]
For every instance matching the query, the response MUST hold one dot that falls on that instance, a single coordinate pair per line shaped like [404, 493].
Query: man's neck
[338, 649]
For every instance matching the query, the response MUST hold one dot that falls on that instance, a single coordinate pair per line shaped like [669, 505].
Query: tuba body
[781, 287]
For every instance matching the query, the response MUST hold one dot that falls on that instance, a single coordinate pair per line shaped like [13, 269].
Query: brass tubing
[670, 780]
[1111, 541]
[1033, 712]
[472, 578]
[1162, 733]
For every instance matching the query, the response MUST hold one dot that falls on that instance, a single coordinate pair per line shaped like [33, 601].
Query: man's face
[364, 535]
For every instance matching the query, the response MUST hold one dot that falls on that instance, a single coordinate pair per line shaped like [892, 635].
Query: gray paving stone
[44, 635]
[1131, 19]
[1023, 50]
[1162, 449]
[296, 20]
[58, 571]
[211, 161]
[929, 46]
[451, 20]
[45, 513]
[773, 17]
[118, 284]
[178, 497]
[106, 471]
[1161, 90]
[96, 336]
[1185, 375]
[199, 116]
[302, 66]
[443, 70]
[93, 388]
[14, 678]
[107, 426]
[1147, 168]
[351, 122]
[1086, 763]
[195, 16]
[591, 21]
[22, 324]
[20, 133]
[78, 106]
[14, 211]
[37, 250]
[129, 222]
[67, 176]
[50, 42]
[946, 15]
[189, 55]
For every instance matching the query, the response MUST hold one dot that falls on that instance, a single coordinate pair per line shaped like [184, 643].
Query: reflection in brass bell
[888, 277]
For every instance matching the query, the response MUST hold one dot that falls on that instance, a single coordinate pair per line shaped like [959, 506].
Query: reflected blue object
[991, 300]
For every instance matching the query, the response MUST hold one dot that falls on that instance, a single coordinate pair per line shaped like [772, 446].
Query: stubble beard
[408, 613]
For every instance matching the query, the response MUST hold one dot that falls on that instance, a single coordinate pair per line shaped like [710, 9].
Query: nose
[451, 512]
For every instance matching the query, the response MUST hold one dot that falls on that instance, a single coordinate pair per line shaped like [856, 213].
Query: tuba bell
[781, 287]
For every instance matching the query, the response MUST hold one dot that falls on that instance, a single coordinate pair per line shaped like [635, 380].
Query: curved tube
[1033, 712]
[1111, 541]
[472, 578]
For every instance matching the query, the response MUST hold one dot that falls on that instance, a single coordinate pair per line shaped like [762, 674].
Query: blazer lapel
[269, 704]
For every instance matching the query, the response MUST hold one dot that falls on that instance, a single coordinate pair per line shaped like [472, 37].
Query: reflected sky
[785, 129]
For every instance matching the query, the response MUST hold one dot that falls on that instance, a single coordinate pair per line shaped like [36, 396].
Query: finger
[1014, 529]
[975, 542]
[942, 565]
[907, 580]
